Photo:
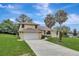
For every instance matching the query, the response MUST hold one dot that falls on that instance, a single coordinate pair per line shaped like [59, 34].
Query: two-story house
[29, 30]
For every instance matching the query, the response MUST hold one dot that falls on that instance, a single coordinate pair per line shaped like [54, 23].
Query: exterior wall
[26, 26]
[53, 34]
[40, 35]
[29, 26]
[42, 32]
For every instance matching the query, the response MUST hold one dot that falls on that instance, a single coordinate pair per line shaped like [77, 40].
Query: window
[48, 32]
[22, 25]
[35, 26]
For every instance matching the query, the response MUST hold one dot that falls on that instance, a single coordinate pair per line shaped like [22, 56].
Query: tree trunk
[17, 33]
[60, 34]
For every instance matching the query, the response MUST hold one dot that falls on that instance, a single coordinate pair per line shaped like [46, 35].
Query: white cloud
[7, 6]
[69, 6]
[72, 19]
[42, 6]
[43, 9]
[12, 19]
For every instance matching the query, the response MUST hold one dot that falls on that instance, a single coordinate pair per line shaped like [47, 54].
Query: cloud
[7, 6]
[72, 19]
[12, 19]
[18, 12]
[43, 9]
[69, 6]
[12, 9]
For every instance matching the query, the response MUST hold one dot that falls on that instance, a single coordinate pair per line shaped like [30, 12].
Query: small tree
[61, 17]
[65, 29]
[7, 26]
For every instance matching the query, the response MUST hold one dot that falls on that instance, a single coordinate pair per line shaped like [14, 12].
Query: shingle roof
[31, 23]
[43, 28]
[30, 30]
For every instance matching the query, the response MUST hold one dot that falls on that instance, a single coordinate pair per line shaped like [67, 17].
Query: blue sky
[38, 11]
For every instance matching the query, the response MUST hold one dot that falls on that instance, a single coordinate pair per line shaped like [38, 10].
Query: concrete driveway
[45, 48]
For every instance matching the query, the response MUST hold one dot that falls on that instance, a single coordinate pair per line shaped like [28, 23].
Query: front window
[22, 25]
[48, 32]
[35, 26]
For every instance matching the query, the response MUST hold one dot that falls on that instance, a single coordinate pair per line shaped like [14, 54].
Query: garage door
[31, 36]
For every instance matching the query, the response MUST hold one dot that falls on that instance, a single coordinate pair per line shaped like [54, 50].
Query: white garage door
[31, 36]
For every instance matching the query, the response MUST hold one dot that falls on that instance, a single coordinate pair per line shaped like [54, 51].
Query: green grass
[72, 43]
[10, 46]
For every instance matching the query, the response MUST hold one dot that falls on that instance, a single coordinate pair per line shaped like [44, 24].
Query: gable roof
[43, 28]
[30, 30]
[28, 23]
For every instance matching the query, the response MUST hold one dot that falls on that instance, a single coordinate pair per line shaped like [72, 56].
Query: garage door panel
[31, 36]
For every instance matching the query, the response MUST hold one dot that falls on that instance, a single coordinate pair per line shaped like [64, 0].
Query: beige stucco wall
[40, 35]
[26, 26]
[29, 26]
[53, 34]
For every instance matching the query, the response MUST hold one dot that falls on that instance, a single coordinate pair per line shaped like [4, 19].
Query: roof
[30, 30]
[43, 28]
[28, 23]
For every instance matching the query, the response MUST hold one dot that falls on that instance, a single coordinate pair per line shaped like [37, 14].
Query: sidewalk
[45, 48]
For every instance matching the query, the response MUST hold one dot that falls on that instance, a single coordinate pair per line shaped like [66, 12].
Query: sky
[38, 11]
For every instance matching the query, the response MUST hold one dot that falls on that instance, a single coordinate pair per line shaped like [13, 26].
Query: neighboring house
[29, 30]
[70, 34]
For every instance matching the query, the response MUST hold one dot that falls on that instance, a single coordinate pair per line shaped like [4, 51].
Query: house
[44, 30]
[29, 30]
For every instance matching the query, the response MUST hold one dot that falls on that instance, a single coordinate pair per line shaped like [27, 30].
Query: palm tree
[61, 17]
[49, 20]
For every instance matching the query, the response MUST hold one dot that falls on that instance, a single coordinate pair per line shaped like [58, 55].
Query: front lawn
[72, 43]
[10, 46]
